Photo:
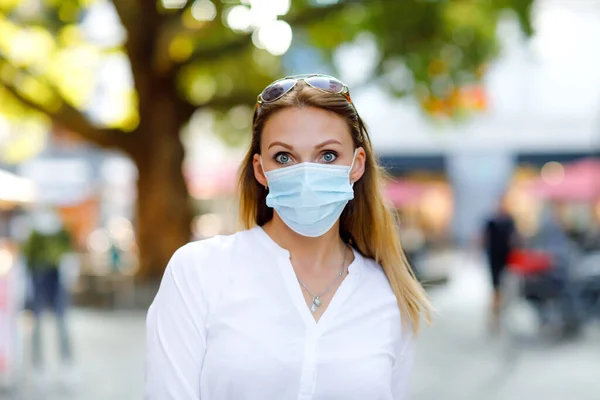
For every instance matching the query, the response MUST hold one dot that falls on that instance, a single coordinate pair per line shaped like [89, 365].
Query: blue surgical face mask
[310, 197]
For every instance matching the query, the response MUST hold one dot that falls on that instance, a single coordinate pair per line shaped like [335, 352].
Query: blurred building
[88, 184]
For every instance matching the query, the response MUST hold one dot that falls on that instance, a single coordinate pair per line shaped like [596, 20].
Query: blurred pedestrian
[555, 293]
[115, 257]
[43, 250]
[499, 236]
[314, 300]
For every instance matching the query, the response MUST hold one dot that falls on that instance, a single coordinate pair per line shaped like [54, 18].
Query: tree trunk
[164, 209]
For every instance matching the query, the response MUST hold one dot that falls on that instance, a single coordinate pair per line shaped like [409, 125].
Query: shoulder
[200, 270]
[373, 272]
[209, 256]
[216, 246]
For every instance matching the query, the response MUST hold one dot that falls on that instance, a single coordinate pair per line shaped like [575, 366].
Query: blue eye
[282, 158]
[329, 157]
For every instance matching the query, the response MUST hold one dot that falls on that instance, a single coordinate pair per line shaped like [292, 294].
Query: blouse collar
[272, 246]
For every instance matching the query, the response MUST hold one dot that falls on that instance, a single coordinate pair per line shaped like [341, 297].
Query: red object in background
[529, 262]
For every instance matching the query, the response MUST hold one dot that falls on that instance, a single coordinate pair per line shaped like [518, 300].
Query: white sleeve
[402, 368]
[176, 337]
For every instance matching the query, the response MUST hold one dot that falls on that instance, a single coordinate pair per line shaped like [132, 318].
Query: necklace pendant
[316, 303]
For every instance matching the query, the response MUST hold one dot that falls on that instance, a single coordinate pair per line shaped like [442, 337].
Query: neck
[312, 253]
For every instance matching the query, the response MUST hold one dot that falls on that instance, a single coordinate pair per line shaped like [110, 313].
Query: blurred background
[122, 124]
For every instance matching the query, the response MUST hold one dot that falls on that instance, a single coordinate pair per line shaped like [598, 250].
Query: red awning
[580, 182]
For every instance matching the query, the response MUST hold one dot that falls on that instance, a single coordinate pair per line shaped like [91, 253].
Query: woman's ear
[259, 173]
[358, 169]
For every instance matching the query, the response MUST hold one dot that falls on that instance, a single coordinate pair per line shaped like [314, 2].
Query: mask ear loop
[351, 166]
[263, 170]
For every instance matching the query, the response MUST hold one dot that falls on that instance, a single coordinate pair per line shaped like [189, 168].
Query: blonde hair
[366, 223]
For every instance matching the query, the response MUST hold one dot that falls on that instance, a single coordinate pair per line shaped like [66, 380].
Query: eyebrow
[287, 146]
[321, 145]
[328, 142]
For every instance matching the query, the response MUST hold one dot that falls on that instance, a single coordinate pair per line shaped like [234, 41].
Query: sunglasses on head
[281, 87]
[324, 83]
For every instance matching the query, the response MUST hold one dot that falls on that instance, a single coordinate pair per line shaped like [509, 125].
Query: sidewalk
[457, 359]
[109, 358]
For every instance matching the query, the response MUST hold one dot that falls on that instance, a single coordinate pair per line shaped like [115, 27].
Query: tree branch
[72, 119]
[311, 15]
[142, 21]
[126, 10]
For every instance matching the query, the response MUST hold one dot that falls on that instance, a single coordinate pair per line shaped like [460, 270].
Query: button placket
[309, 367]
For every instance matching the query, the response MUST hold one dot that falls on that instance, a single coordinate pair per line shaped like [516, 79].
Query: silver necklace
[316, 299]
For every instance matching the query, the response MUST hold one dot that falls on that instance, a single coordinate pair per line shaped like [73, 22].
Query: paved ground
[109, 350]
[456, 359]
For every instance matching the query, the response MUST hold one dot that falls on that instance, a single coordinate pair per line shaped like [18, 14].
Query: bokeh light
[208, 225]
[203, 89]
[181, 48]
[240, 117]
[99, 241]
[204, 10]
[239, 18]
[270, 34]
[275, 37]
[121, 230]
[173, 4]
[553, 173]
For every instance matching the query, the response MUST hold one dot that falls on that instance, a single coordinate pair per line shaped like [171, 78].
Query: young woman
[313, 301]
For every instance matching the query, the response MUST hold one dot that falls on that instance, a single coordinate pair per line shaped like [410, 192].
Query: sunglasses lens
[325, 83]
[277, 90]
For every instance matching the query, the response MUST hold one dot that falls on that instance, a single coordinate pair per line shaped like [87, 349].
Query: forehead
[306, 126]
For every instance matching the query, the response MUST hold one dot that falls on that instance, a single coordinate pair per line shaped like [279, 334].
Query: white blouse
[230, 323]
